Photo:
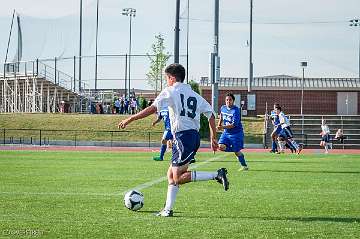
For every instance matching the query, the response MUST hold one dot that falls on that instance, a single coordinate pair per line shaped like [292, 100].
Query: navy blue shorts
[185, 145]
[233, 142]
[167, 135]
[286, 133]
[326, 138]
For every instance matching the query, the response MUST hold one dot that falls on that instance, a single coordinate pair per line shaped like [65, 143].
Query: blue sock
[162, 151]
[274, 146]
[241, 159]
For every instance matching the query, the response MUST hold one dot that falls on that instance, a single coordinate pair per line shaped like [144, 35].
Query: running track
[147, 149]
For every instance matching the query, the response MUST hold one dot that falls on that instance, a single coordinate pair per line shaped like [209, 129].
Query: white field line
[139, 187]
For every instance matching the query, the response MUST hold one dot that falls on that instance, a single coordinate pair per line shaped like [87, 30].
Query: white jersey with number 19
[185, 107]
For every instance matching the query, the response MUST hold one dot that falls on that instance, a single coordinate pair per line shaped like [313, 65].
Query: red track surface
[147, 149]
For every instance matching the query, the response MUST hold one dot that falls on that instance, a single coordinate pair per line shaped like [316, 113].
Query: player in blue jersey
[232, 139]
[167, 136]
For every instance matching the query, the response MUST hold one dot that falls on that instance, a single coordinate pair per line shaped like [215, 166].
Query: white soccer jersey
[185, 107]
[284, 120]
[325, 129]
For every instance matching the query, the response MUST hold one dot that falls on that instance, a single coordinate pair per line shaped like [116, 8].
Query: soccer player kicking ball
[185, 107]
[232, 139]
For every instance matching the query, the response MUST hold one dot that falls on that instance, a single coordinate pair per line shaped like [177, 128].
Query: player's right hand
[214, 145]
[123, 123]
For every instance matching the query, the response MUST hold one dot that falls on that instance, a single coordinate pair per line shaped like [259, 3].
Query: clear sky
[284, 34]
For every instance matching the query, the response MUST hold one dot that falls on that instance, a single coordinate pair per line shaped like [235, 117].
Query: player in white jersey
[185, 107]
[325, 136]
[286, 134]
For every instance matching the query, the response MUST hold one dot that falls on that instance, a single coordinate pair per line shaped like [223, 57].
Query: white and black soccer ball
[134, 200]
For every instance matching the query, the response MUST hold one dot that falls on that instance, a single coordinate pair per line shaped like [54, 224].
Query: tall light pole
[303, 65]
[80, 46]
[130, 12]
[356, 23]
[96, 43]
[177, 32]
[250, 80]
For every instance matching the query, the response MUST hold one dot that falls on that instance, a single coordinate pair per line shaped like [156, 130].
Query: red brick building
[330, 96]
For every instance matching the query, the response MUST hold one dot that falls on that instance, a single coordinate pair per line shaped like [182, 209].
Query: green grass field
[79, 195]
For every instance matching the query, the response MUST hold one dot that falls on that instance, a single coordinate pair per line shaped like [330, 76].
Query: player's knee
[222, 147]
[238, 153]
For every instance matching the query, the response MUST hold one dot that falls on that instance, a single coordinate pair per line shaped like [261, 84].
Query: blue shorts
[286, 133]
[326, 138]
[167, 135]
[185, 145]
[233, 142]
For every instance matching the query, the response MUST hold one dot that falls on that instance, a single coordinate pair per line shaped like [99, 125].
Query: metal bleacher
[307, 128]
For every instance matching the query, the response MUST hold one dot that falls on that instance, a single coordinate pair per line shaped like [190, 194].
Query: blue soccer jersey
[231, 116]
[275, 118]
[164, 115]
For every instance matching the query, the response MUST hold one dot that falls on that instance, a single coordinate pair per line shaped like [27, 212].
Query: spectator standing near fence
[133, 105]
[117, 106]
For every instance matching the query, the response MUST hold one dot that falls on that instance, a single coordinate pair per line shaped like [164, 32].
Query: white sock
[202, 176]
[171, 196]
[294, 144]
[326, 147]
[281, 145]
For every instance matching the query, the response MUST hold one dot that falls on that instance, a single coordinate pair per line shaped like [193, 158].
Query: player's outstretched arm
[142, 114]
[214, 144]
[219, 126]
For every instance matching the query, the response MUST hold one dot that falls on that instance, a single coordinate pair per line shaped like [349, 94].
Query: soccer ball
[134, 200]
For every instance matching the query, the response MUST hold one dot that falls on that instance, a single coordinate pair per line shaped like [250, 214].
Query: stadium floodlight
[130, 12]
[303, 65]
[356, 23]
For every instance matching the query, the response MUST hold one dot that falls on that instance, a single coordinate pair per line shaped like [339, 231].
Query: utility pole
[356, 23]
[215, 62]
[96, 43]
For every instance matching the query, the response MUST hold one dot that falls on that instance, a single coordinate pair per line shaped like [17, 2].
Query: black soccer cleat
[222, 178]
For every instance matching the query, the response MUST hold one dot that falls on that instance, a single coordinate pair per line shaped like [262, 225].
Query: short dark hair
[231, 95]
[176, 70]
[277, 106]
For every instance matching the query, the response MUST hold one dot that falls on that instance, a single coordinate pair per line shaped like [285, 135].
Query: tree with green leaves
[204, 125]
[158, 60]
